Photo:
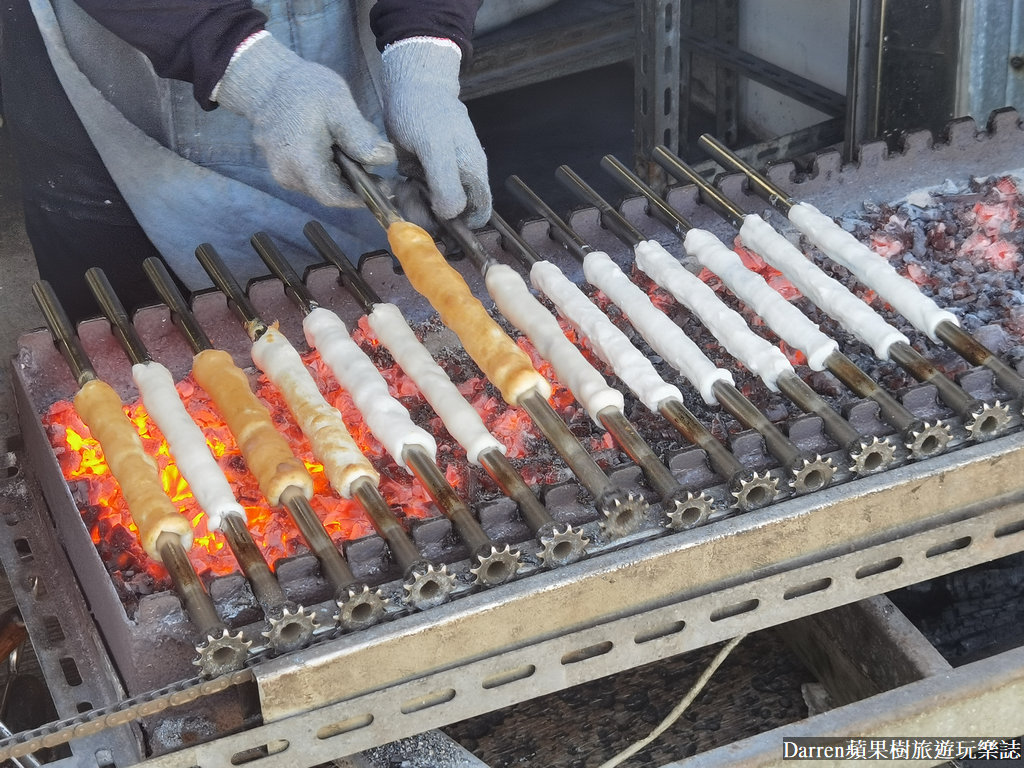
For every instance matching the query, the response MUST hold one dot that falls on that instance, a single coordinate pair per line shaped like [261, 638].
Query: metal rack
[658, 597]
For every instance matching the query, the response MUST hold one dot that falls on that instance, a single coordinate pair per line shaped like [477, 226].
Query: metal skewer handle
[898, 291]
[786, 320]
[181, 313]
[291, 627]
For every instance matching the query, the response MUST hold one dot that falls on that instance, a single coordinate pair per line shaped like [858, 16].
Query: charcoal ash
[969, 614]
[125, 593]
[993, 336]
[824, 383]
[961, 244]
[235, 601]
[142, 582]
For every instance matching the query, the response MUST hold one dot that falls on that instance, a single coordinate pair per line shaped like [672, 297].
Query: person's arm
[190, 40]
[424, 44]
[299, 110]
[394, 20]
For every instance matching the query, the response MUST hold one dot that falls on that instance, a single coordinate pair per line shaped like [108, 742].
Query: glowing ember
[795, 356]
[885, 246]
[996, 252]
[772, 276]
[919, 275]
[995, 218]
[106, 515]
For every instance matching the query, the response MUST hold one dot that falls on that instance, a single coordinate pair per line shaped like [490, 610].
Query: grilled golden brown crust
[503, 363]
[320, 421]
[135, 470]
[266, 451]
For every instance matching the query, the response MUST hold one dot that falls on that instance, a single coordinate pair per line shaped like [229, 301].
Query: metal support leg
[861, 649]
[727, 30]
[657, 88]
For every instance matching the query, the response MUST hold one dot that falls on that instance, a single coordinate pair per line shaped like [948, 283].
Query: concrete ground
[18, 310]
[18, 313]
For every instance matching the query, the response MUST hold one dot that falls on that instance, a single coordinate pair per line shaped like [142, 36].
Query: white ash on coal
[961, 244]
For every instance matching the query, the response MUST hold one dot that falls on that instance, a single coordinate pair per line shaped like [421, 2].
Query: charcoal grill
[646, 597]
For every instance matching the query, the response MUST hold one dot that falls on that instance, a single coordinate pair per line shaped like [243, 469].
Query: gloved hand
[431, 129]
[298, 110]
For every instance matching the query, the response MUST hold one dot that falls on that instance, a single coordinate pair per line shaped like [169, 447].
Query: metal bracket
[656, 84]
[71, 655]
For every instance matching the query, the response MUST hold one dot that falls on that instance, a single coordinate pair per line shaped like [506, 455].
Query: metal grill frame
[911, 524]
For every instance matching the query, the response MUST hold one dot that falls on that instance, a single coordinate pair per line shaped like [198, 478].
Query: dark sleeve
[393, 20]
[190, 40]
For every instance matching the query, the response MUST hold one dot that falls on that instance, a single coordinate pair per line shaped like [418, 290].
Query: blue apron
[191, 176]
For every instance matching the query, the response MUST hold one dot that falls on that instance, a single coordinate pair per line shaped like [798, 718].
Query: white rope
[677, 712]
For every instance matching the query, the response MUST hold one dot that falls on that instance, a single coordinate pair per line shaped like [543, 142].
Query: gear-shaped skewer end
[222, 653]
[496, 567]
[428, 585]
[809, 475]
[987, 420]
[623, 511]
[562, 545]
[927, 439]
[685, 509]
[290, 629]
[753, 490]
[870, 455]
[359, 607]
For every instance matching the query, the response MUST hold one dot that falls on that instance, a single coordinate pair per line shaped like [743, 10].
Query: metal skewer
[919, 437]
[867, 453]
[494, 564]
[560, 542]
[982, 420]
[807, 473]
[749, 489]
[359, 606]
[622, 509]
[426, 583]
[291, 626]
[948, 332]
[683, 507]
[220, 650]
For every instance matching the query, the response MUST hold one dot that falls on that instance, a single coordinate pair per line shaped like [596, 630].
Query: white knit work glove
[299, 110]
[431, 129]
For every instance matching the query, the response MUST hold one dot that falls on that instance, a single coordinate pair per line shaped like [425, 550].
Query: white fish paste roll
[319, 421]
[384, 415]
[828, 294]
[665, 337]
[187, 443]
[758, 355]
[871, 269]
[788, 322]
[611, 344]
[514, 300]
[460, 418]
